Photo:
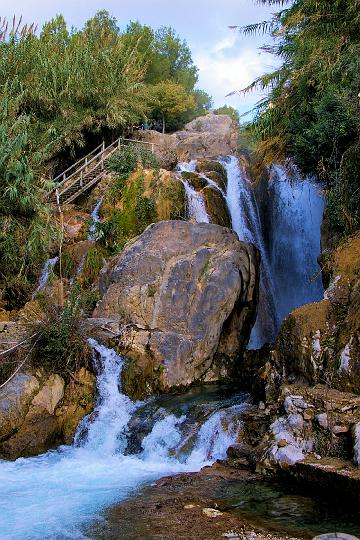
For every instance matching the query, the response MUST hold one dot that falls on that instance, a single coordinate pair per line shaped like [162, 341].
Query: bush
[94, 261]
[60, 342]
[127, 159]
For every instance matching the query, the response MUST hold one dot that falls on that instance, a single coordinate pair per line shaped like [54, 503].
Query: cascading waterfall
[246, 223]
[45, 274]
[282, 219]
[95, 218]
[293, 221]
[195, 201]
[55, 495]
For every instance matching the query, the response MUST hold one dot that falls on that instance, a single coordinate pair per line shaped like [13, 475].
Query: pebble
[212, 512]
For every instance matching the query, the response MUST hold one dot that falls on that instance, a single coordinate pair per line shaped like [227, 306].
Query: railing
[89, 164]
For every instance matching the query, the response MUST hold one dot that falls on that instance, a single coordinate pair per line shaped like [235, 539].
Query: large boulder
[39, 411]
[207, 136]
[185, 297]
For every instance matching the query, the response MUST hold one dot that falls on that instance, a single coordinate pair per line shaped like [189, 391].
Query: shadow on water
[288, 509]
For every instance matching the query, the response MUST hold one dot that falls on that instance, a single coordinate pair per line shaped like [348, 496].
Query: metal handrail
[76, 163]
[105, 153]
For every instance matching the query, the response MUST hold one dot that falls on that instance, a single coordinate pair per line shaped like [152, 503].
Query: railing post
[152, 148]
[103, 146]
[86, 162]
[81, 179]
[64, 177]
[119, 142]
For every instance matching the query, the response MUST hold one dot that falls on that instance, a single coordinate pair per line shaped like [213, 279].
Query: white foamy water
[246, 223]
[53, 496]
[45, 274]
[282, 219]
[195, 201]
[95, 218]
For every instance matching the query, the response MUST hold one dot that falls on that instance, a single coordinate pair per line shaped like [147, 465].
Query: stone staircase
[87, 171]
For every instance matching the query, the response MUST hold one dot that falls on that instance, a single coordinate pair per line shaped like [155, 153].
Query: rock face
[164, 147]
[39, 411]
[321, 341]
[185, 295]
[309, 380]
[206, 136]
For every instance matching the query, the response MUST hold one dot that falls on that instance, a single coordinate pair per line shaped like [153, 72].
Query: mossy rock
[218, 179]
[208, 166]
[216, 206]
[146, 197]
[195, 180]
[170, 199]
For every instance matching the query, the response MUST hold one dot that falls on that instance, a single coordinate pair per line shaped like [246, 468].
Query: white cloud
[229, 65]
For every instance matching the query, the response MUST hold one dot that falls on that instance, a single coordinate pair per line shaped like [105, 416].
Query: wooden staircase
[86, 172]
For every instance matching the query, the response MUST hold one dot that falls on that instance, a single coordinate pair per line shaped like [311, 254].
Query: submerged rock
[185, 295]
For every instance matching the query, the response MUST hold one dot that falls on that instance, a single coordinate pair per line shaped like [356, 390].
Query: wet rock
[195, 180]
[335, 536]
[213, 170]
[39, 411]
[322, 420]
[216, 207]
[321, 341]
[39, 432]
[186, 294]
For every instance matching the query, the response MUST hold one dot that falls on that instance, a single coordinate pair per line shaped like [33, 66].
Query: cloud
[231, 64]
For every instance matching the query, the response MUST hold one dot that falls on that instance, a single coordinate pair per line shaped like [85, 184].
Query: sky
[227, 61]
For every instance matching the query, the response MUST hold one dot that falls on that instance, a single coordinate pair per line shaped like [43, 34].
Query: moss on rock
[147, 196]
[216, 206]
[195, 180]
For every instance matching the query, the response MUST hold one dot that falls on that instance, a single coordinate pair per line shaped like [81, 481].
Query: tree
[229, 111]
[171, 100]
[312, 109]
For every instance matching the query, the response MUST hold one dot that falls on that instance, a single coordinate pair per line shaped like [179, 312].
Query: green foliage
[94, 261]
[172, 100]
[68, 265]
[131, 217]
[60, 343]
[61, 85]
[127, 159]
[168, 58]
[312, 110]
[229, 111]
[24, 221]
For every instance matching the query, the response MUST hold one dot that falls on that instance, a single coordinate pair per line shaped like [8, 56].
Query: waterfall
[95, 218]
[58, 493]
[246, 223]
[195, 201]
[45, 274]
[282, 218]
[294, 210]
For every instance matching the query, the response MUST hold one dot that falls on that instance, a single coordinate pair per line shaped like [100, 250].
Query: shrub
[127, 159]
[60, 341]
